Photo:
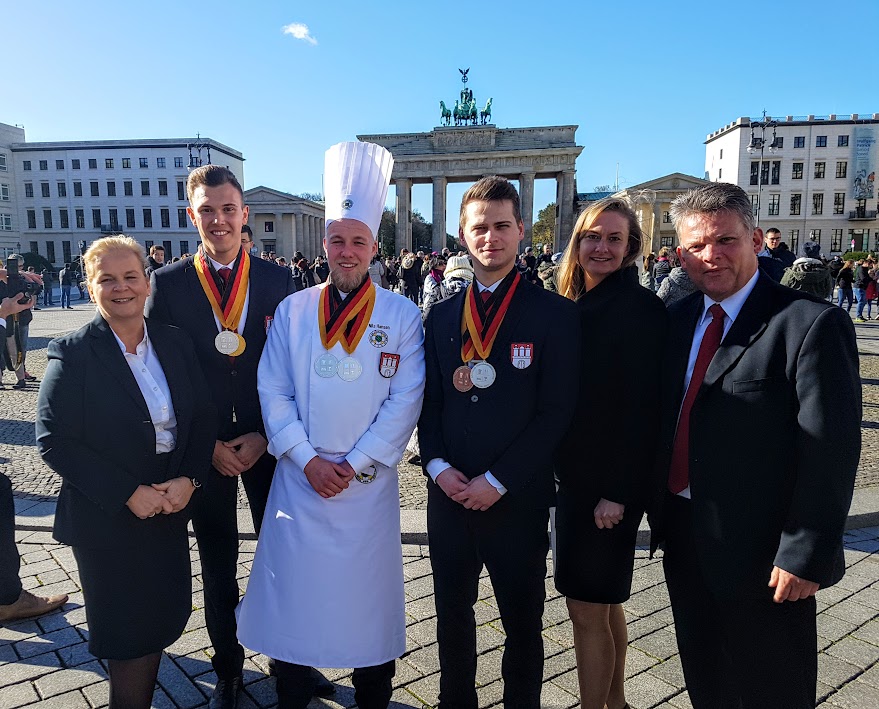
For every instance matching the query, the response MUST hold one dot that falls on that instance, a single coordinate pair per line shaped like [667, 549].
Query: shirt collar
[141, 348]
[217, 265]
[732, 305]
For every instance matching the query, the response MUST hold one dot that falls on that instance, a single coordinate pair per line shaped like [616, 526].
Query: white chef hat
[356, 178]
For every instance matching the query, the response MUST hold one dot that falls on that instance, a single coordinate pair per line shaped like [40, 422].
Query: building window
[77, 189]
[774, 204]
[65, 219]
[820, 141]
[26, 165]
[28, 189]
[108, 163]
[3, 166]
[755, 204]
[147, 218]
[168, 249]
[796, 204]
[145, 188]
[44, 189]
[74, 165]
[47, 218]
[666, 217]
[129, 218]
[184, 247]
[800, 141]
[148, 245]
[65, 250]
[4, 192]
[793, 237]
[160, 162]
[96, 218]
[755, 171]
[35, 247]
[126, 163]
[93, 163]
[842, 141]
[779, 142]
[720, 173]
[181, 191]
[128, 188]
[836, 239]
[815, 235]
[94, 189]
[114, 220]
[31, 218]
[144, 162]
[181, 218]
[44, 164]
[764, 173]
[668, 241]
[817, 204]
[80, 218]
[50, 251]
[841, 168]
[165, 216]
[163, 188]
[62, 189]
[178, 162]
[5, 222]
[776, 172]
[269, 227]
[819, 170]
[59, 164]
[111, 188]
[839, 202]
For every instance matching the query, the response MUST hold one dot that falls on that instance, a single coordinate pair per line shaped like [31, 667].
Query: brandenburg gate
[469, 152]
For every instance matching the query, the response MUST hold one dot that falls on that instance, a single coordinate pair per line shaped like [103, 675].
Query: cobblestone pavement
[45, 662]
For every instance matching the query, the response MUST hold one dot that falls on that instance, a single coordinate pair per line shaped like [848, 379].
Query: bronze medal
[461, 378]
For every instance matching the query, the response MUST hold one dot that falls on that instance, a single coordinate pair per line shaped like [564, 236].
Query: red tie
[485, 295]
[679, 473]
[225, 273]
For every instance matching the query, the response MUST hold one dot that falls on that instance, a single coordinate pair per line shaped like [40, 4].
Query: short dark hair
[247, 230]
[710, 199]
[211, 176]
[491, 189]
[773, 230]
[156, 247]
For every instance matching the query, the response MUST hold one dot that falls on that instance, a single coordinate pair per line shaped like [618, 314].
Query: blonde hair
[571, 278]
[102, 247]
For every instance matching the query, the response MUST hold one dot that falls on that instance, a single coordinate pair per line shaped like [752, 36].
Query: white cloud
[299, 30]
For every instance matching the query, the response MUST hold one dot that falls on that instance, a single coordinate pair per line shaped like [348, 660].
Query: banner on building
[864, 167]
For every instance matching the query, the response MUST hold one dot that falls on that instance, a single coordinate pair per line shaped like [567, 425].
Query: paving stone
[55, 576]
[563, 634]
[7, 654]
[835, 672]
[681, 701]
[71, 700]
[834, 628]
[48, 641]
[405, 673]
[662, 644]
[851, 611]
[29, 669]
[670, 670]
[856, 695]
[425, 660]
[402, 697]
[645, 690]
[39, 568]
[488, 638]
[18, 695]
[426, 690]
[423, 633]
[56, 683]
[869, 597]
[190, 642]
[263, 692]
[18, 631]
[855, 652]
[871, 676]
[178, 686]
[554, 697]
[419, 588]
[559, 664]
[75, 655]
[98, 695]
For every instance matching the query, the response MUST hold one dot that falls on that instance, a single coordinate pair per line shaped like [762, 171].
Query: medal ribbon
[346, 320]
[482, 321]
[228, 306]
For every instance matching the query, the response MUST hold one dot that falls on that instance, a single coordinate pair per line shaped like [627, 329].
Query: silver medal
[482, 375]
[226, 342]
[349, 369]
[326, 365]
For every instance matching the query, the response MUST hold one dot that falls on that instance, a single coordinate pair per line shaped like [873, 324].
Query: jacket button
[234, 372]
[474, 398]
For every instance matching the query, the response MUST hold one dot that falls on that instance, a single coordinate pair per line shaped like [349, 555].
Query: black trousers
[10, 584]
[512, 543]
[215, 521]
[372, 685]
[738, 651]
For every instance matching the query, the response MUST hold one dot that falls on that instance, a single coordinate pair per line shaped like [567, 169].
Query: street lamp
[759, 144]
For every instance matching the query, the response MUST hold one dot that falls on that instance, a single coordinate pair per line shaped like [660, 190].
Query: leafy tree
[543, 229]
[602, 188]
[312, 196]
[387, 232]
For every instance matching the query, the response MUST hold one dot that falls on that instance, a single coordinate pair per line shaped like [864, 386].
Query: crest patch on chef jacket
[367, 476]
[388, 364]
[378, 338]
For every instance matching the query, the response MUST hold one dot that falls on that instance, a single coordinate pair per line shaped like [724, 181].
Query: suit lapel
[107, 351]
[198, 302]
[680, 341]
[175, 374]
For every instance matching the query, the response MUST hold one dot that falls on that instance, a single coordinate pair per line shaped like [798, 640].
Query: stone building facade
[285, 223]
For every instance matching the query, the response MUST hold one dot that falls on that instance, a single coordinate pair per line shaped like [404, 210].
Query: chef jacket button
[474, 398]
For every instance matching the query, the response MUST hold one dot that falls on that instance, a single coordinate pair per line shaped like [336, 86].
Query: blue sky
[645, 81]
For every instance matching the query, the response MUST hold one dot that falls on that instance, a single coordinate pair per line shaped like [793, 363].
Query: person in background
[48, 296]
[17, 333]
[156, 258]
[547, 272]
[648, 280]
[434, 276]
[778, 249]
[456, 277]
[377, 272]
[861, 281]
[844, 284]
[809, 274]
[66, 277]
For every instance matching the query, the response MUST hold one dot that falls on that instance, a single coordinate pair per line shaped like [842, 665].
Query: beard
[347, 281]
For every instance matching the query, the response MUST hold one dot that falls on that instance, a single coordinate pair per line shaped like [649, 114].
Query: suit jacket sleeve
[62, 413]
[558, 386]
[203, 429]
[430, 424]
[829, 443]
[157, 304]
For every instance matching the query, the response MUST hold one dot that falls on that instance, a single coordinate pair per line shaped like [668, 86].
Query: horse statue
[457, 113]
[485, 113]
[445, 114]
[473, 113]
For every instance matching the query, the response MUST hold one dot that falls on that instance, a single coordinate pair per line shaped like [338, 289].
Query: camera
[17, 284]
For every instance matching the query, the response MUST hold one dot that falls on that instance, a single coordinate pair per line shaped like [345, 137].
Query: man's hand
[346, 466]
[327, 478]
[146, 502]
[177, 492]
[452, 481]
[478, 495]
[608, 513]
[789, 587]
[226, 461]
[11, 306]
[248, 448]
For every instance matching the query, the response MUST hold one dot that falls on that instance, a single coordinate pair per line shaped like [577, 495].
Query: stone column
[403, 236]
[312, 241]
[281, 243]
[526, 202]
[298, 233]
[321, 232]
[565, 209]
[439, 213]
[657, 226]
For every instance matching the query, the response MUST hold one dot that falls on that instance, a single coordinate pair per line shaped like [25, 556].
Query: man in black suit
[752, 524]
[193, 294]
[508, 381]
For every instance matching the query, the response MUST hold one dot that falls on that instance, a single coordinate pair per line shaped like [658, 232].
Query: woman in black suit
[603, 464]
[125, 418]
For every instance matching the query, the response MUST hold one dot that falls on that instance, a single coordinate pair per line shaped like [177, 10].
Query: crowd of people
[536, 382]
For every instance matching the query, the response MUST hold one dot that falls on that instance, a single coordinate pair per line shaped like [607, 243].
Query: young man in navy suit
[752, 526]
[502, 372]
[225, 300]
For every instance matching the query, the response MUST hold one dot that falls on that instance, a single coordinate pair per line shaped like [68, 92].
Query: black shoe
[225, 694]
[323, 687]
[20, 384]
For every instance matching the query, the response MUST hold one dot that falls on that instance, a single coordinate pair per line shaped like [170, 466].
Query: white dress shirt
[438, 465]
[732, 306]
[231, 265]
[150, 378]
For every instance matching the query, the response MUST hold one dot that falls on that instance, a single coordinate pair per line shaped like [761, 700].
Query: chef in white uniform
[340, 384]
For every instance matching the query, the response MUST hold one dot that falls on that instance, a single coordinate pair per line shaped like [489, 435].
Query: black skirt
[591, 564]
